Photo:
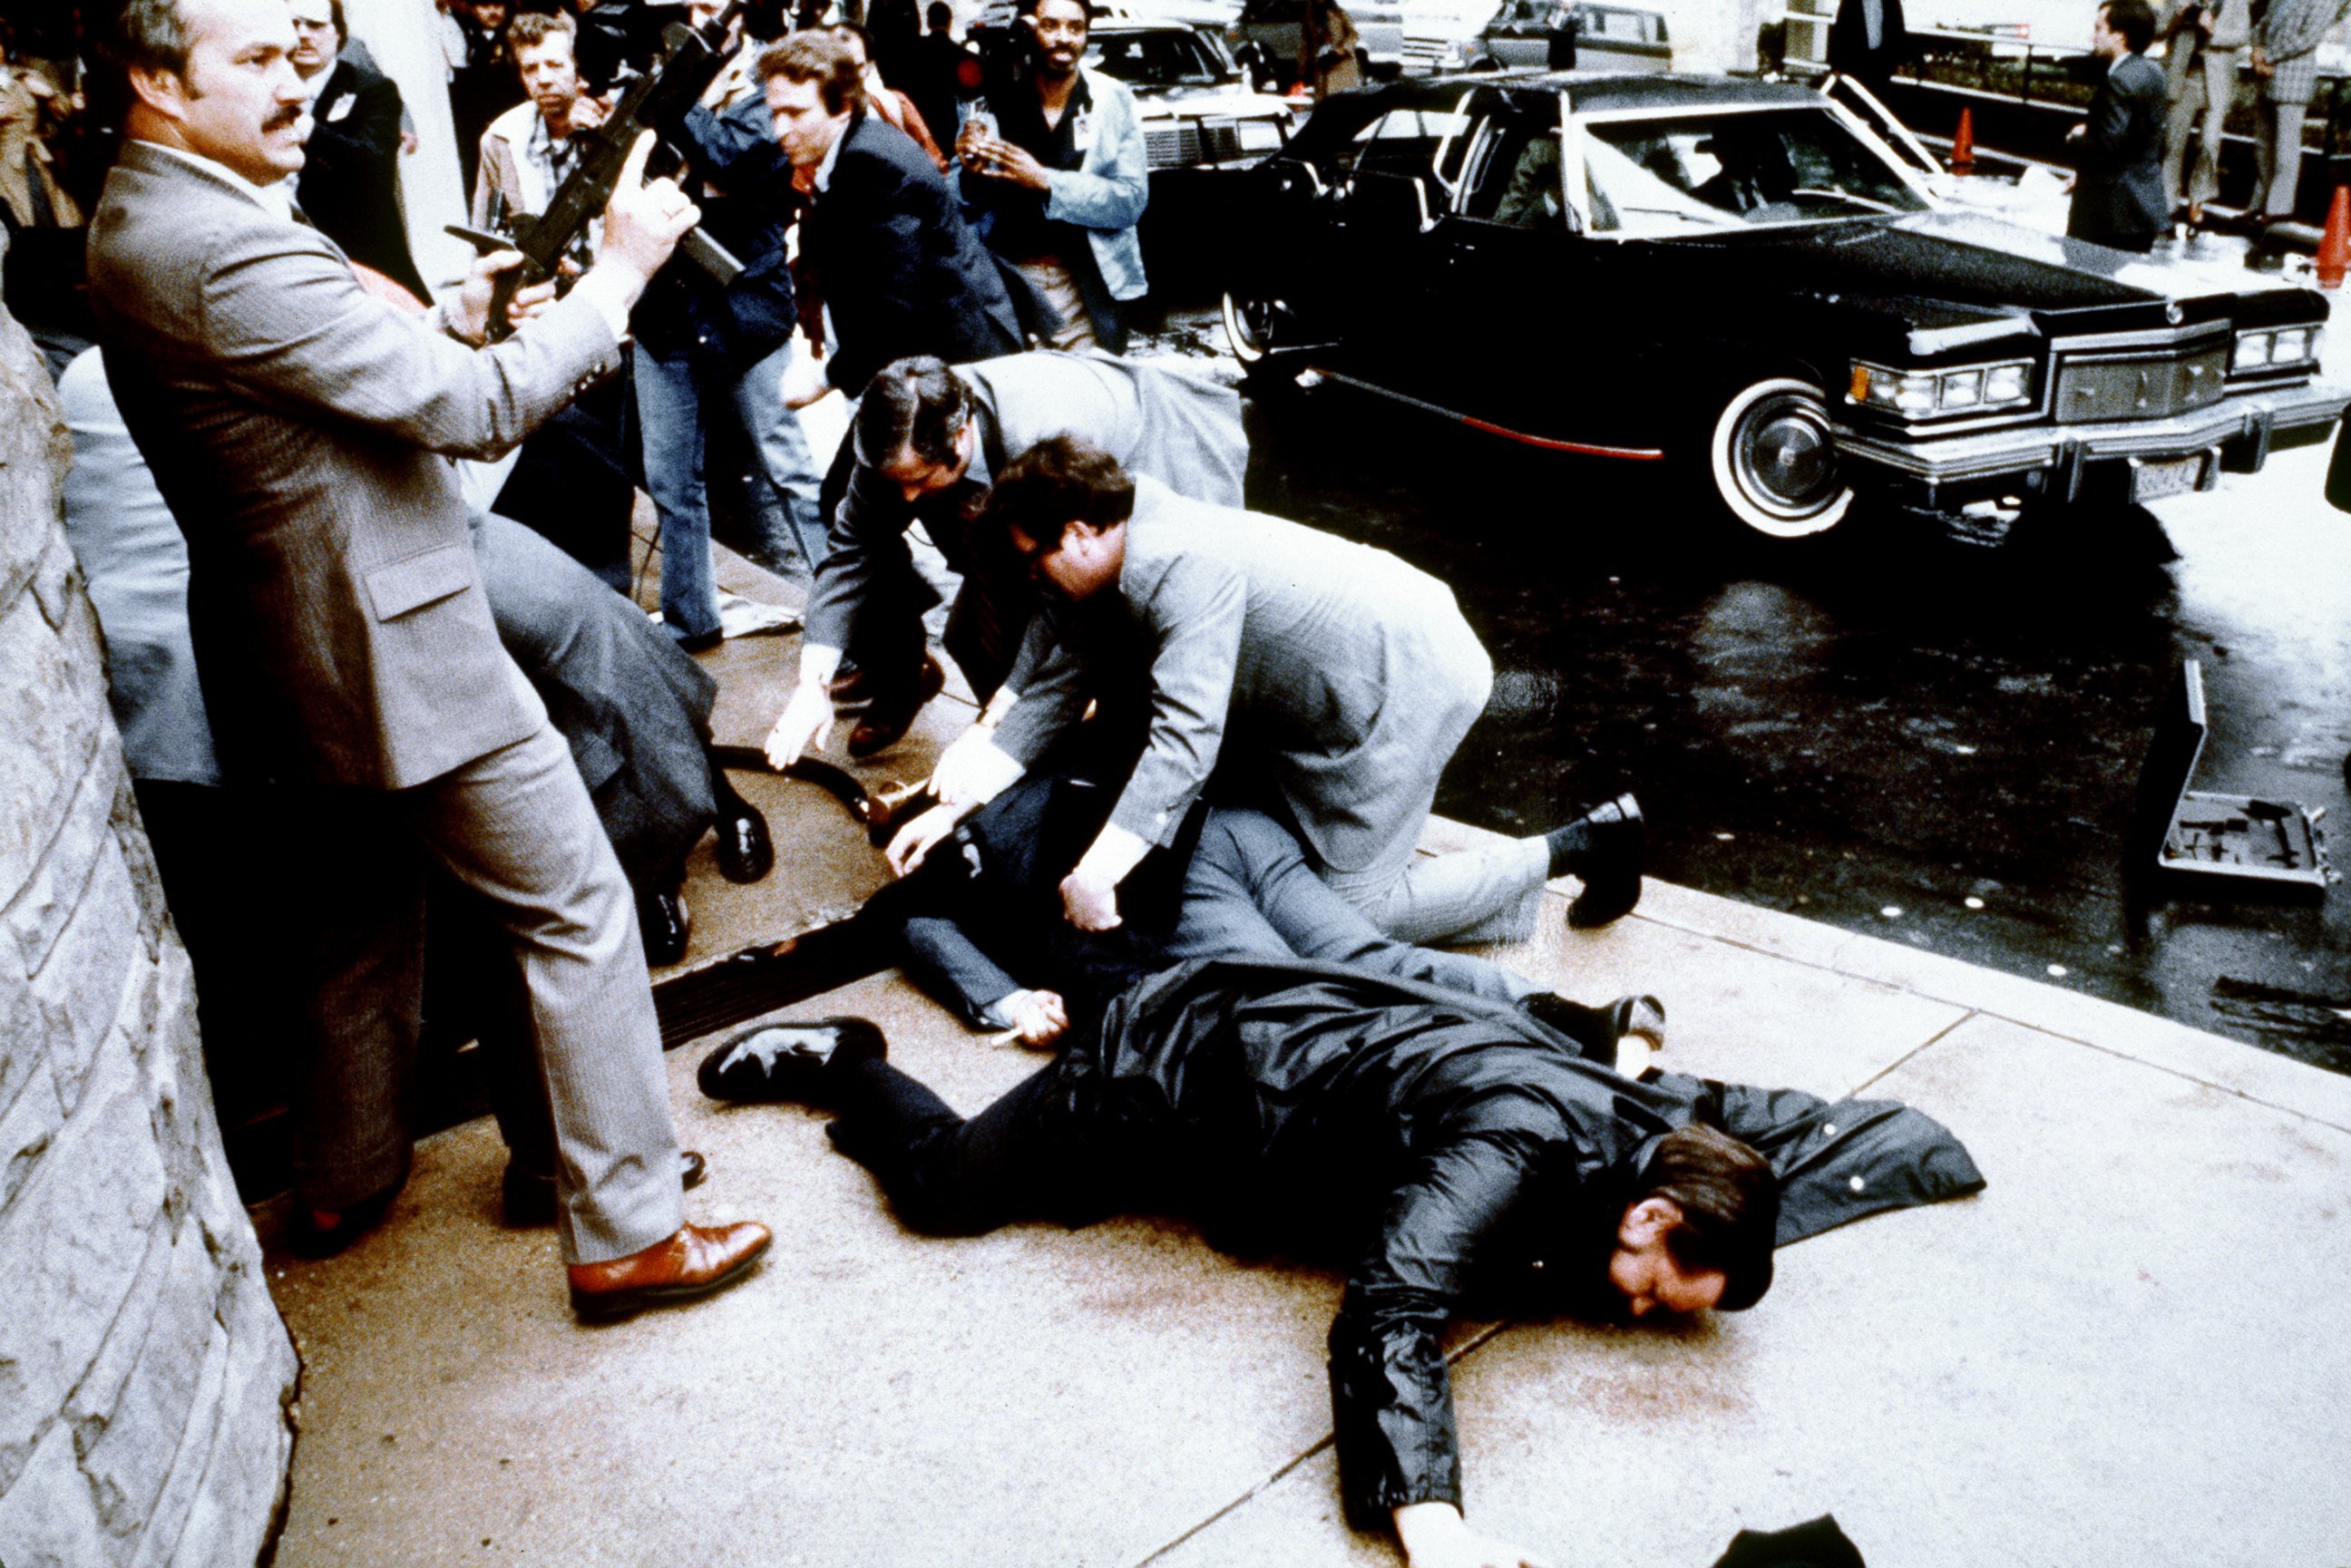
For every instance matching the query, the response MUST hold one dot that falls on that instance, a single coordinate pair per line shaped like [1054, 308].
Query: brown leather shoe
[852, 686]
[889, 715]
[695, 1261]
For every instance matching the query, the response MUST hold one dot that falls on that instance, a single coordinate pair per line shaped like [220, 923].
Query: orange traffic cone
[2334, 244]
[1963, 145]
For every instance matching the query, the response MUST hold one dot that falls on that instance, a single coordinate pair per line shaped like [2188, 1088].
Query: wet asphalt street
[1890, 730]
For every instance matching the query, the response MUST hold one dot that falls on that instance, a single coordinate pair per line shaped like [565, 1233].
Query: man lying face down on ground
[1448, 1150]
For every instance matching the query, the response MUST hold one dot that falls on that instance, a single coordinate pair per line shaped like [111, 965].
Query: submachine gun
[691, 60]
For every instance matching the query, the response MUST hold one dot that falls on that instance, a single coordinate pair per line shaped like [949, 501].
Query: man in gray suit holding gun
[301, 430]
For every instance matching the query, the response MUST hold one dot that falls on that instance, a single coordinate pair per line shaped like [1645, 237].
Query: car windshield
[1697, 174]
[1176, 57]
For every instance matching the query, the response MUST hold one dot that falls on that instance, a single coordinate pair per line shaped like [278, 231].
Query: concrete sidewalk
[2132, 1348]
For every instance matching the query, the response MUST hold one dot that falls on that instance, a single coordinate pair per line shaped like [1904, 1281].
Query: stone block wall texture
[145, 1375]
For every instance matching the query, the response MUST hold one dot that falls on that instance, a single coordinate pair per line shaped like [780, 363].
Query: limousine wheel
[1774, 462]
[1248, 328]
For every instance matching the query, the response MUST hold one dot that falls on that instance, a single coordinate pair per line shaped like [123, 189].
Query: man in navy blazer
[2118, 194]
[899, 271]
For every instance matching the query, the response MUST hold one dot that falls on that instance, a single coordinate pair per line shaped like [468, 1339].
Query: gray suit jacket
[1181, 429]
[1318, 667]
[299, 429]
[2289, 35]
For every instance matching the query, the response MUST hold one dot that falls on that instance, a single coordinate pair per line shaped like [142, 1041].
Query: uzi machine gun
[691, 60]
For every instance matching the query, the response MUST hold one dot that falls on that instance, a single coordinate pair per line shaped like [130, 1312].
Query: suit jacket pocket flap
[421, 579]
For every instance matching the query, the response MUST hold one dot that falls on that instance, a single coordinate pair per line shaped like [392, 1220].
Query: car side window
[1420, 139]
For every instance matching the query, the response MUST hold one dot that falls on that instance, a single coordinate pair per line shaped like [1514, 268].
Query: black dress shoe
[745, 853]
[1609, 863]
[702, 642]
[890, 714]
[527, 1199]
[788, 1061]
[663, 922]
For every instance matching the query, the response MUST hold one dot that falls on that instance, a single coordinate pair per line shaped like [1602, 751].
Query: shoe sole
[607, 1306]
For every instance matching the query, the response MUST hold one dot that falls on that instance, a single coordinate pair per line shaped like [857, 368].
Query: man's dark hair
[914, 406]
[342, 26]
[532, 29]
[815, 55]
[145, 35]
[1728, 1197]
[1059, 480]
[939, 16]
[853, 30]
[2134, 19]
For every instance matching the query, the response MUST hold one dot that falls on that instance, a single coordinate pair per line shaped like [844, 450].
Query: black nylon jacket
[1445, 1150]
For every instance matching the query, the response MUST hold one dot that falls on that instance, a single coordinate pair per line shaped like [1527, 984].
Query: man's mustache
[287, 116]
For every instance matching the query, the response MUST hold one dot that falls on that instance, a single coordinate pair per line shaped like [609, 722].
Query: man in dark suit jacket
[2118, 194]
[350, 183]
[899, 271]
[1868, 40]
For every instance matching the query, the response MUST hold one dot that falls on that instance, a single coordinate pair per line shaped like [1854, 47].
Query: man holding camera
[1054, 166]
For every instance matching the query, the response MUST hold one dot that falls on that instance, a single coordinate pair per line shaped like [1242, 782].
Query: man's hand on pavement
[1090, 900]
[1433, 1535]
[1039, 1016]
[805, 721]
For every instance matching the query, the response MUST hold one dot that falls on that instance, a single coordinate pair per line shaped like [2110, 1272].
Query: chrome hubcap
[1782, 457]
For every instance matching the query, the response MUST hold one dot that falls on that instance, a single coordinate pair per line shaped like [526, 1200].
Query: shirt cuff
[818, 664]
[604, 292]
[1115, 853]
[991, 771]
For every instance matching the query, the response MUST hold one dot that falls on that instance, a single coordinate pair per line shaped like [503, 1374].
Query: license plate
[2152, 481]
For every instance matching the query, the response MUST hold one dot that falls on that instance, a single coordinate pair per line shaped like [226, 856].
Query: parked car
[1197, 110]
[1267, 32]
[1740, 281]
[1563, 35]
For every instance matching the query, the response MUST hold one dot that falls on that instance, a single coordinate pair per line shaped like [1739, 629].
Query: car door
[1550, 325]
[1398, 179]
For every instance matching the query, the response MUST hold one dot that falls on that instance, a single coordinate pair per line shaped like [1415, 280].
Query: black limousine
[1740, 280]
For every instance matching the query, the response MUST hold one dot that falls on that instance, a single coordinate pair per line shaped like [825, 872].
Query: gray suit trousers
[2200, 99]
[1249, 892]
[2277, 156]
[516, 826]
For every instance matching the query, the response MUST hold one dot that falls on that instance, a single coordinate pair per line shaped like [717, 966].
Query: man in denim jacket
[1053, 168]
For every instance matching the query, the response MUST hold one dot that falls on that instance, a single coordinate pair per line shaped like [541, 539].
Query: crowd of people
[360, 550]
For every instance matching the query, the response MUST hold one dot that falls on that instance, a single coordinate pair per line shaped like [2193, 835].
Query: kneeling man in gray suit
[1323, 678]
[301, 431]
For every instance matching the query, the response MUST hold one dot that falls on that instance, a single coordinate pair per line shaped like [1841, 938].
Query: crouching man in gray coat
[1300, 669]
[929, 442]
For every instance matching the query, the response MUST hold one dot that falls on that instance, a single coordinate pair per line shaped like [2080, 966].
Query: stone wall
[145, 1375]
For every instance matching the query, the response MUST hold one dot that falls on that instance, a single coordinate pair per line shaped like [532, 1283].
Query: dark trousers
[574, 483]
[946, 1176]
